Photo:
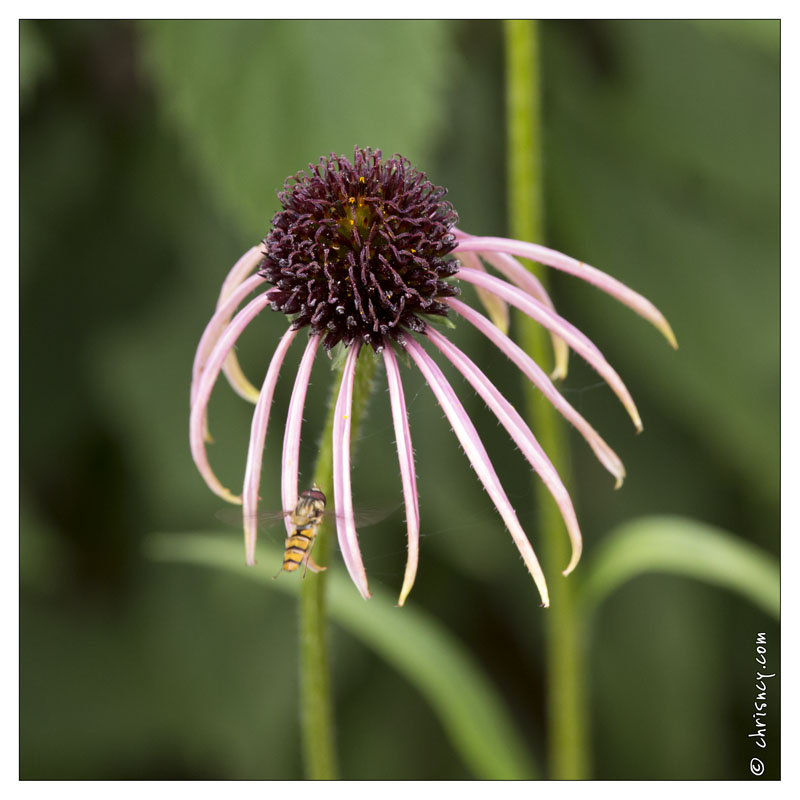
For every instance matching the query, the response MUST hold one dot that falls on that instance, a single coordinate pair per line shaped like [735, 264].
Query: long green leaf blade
[682, 546]
[416, 645]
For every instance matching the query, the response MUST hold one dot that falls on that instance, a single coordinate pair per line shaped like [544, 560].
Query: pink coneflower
[363, 254]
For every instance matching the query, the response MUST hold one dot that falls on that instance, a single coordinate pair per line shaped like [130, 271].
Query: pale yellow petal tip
[561, 355]
[498, 315]
[207, 437]
[237, 379]
[230, 497]
[573, 563]
[404, 593]
[666, 329]
[496, 309]
[543, 594]
[409, 578]
[633, 412]
[251, 394]
[620, 480]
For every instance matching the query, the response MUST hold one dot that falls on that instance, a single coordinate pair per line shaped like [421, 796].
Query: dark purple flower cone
[358, 252]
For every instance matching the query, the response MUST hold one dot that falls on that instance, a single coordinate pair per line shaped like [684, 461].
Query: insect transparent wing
[263, 519]
[363, 517]
[366, 516]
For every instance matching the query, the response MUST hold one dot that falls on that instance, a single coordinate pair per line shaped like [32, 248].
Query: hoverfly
[305, 518]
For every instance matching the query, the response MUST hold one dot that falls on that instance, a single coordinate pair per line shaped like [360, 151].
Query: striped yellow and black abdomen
[296, 548]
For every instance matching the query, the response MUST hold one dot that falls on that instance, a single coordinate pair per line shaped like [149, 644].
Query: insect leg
[310, 563]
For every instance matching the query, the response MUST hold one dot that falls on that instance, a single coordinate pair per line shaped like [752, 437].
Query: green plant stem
[469, 706]
[568, 756]
[316, 706]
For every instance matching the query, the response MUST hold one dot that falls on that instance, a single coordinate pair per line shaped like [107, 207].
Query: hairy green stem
[568, 754]
[316, 706]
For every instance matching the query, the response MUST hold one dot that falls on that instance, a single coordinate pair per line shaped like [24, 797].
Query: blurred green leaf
[682, 547]
[665, 172]
[154, 686]
[255, 101]
[764, 34]
[34, 60]
[417, 646]
[44, 560]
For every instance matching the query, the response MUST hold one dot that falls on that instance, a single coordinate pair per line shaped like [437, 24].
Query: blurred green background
[150, 158]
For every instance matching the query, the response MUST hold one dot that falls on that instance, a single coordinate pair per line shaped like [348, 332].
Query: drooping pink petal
[495, 307]
[206, 384]
[239, 271]
[552, 258]
[258, 433]
[607, 457]
[473, 447]
[233, 372]
[290, 466]
[519, 431]
[528, 282]
[578, 341]
[342, 493]
[408, 473]
[217, 324]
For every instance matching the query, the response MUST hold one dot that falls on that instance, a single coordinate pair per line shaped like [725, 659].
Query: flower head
[367, 252]
[358, 251]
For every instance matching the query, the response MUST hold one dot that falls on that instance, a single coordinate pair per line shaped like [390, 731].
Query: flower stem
[568, 755]
[316, 706]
